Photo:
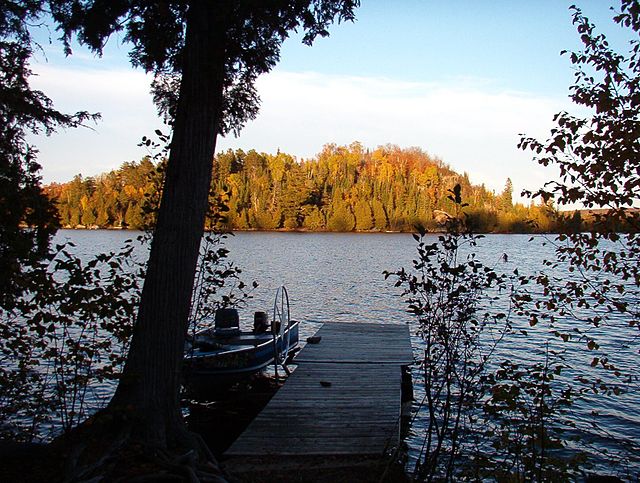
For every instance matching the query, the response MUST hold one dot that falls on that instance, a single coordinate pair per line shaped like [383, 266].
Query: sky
[461, 79]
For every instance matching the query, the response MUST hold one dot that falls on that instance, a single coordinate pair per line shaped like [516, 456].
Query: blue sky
[461, 79]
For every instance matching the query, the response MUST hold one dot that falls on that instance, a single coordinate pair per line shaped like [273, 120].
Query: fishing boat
[220, 356]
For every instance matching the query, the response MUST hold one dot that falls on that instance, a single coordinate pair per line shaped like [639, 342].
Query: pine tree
[379, 215]
[506, 198]
[341, 218]
[364, 216]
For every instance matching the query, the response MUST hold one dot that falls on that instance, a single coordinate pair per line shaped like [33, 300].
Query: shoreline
[313, 232]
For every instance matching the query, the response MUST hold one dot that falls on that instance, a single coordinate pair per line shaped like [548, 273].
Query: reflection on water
[338, 277]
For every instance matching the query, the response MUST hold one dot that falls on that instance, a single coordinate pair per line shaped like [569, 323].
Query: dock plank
[344, 398]
[360, 343]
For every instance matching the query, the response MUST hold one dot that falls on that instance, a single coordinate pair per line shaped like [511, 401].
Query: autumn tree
[271, 192]
[206, 56]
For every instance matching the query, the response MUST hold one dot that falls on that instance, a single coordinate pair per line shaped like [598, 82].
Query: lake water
[338, 277]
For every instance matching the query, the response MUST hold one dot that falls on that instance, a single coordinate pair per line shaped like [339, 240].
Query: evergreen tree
[506, 198]
[364, 216]
[341, 218]
[133, 216]
[88, 218]
[313, 219]
[379, 215]
[23, 111]
[102, 219]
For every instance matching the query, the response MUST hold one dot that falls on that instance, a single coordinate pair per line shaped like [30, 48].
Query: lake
[338, 277]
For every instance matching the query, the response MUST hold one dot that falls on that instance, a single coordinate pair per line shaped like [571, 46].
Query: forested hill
[344, 188]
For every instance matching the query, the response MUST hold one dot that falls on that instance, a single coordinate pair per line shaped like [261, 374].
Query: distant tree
[379, 215]
[102, 218]
[364, 215]
[543, 216]
[88, 218]
[295, 194]
[74, 216]
[241, 220]
[257, 201]
[133, 216]
[313, 219]
[291, 223]
[206, 56]
[340, 218]
[266, 219]
[506, 197]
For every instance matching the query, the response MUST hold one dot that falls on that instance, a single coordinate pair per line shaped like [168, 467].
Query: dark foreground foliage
[488, 417]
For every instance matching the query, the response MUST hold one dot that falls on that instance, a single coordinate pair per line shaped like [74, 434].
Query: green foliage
[506, 198]
[363, 216]
[341, 217]
[313, 219]
[380, 220]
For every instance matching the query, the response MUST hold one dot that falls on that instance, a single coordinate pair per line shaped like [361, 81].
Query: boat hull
[229, 360]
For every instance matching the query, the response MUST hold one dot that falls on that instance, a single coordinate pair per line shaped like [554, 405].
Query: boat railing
[280, 328]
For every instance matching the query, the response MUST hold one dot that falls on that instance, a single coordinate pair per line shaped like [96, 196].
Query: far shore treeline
[344, 188]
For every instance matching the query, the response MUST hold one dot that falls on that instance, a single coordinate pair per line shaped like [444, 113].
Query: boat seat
[227, 323]
[260, 322]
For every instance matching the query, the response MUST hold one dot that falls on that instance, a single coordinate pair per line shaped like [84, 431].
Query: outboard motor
[260, 322]
[227, 322]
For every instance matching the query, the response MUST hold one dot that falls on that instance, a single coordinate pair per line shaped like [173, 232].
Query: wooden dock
[344, 398]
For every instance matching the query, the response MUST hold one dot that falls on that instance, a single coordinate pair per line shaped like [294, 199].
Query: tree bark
[149, 389]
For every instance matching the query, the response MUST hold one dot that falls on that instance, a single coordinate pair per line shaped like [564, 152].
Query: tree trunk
[148, 391]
